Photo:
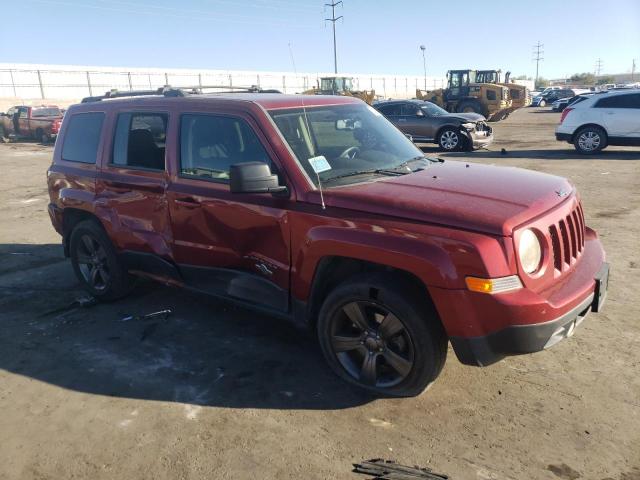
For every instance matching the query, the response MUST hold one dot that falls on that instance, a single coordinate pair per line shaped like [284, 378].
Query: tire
[450, 139]
[44, 138]
[470, 106]
[542, 103]
[589, 140]
[96, 263]
[400, 359]
[4, 138]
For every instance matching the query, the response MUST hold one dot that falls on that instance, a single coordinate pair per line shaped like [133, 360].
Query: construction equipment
[341, 86]
[517, 93]
[465, 94]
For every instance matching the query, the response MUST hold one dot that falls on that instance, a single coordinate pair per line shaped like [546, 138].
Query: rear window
[45, 112]
[617, 101]
[82, 137]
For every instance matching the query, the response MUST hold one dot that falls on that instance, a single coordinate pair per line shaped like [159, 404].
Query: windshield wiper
[377, 171]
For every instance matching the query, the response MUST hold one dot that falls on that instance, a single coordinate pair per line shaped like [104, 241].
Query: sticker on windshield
[319, 164]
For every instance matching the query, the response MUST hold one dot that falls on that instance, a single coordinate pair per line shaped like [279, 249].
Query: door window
[620, 101]
[210, 144]
[140, 140]
[390, 110]
[408, 109]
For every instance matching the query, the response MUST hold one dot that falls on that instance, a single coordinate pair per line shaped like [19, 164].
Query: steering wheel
[350, 153]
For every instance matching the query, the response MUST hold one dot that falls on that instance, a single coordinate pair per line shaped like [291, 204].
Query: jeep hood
[472, 196]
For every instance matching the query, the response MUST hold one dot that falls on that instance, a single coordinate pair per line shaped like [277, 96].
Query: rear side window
[618, 101]
[140, 140]
[82, 137]
[210, 144]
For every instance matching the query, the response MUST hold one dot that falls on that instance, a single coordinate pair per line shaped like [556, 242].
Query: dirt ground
[218, 392]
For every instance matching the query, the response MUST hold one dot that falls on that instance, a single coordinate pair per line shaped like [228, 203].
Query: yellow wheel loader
[465, 94]
[341, 86]
[517, 93]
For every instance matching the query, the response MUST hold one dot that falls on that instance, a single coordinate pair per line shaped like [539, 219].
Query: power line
[333, 20]
[599, 64]
[537, 56]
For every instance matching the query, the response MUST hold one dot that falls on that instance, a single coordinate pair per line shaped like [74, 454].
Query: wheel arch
[72, 217]
[590, 124]
[332, 270]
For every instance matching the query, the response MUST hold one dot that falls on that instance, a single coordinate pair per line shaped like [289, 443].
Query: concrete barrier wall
[44, 82]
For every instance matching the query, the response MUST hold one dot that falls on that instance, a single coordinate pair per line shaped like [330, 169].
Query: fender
[438, 261]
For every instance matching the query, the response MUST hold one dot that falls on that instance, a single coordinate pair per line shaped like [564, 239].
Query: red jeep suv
[317, 209]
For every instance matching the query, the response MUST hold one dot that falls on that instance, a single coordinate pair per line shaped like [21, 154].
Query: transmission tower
[537, 56]
[599, 64]
[333, 20]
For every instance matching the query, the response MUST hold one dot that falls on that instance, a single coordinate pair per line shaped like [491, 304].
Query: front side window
[82, 137]
[352, 138]
[140, 140]
[491, 95]
[210, 144]
[390, 110]
[408, 109]
[45, 112]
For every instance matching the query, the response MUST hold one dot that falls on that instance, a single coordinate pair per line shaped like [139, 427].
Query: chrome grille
[567, 239]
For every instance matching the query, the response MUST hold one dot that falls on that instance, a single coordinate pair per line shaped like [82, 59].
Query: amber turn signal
[493, 285]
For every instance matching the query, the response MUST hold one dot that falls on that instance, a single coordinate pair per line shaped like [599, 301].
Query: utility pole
[424, 65]
[333, 20]
[537, 56]
[598, 67]
[633, 69]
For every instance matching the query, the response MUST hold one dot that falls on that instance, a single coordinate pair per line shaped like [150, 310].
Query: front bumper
[480, 139]
[485, 328]
[519, 339]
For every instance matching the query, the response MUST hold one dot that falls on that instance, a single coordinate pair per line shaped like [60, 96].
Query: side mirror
[253, 177]
[419, 113]
[409, 137]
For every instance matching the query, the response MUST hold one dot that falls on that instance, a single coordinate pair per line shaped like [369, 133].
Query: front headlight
[469, 126]
[529, 251]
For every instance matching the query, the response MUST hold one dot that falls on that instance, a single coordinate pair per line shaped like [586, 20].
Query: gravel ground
[219, 392]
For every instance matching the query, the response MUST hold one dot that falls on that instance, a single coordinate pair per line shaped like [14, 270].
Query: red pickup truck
[41, 123]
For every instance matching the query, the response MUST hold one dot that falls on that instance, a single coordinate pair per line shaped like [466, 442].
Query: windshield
[352, 138]
[46, 112]
[433, 110]
[337, 84]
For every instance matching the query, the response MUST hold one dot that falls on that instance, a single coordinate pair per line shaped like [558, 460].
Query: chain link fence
[79, 82]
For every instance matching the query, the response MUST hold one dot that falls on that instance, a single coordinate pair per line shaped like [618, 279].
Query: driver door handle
[188, 202]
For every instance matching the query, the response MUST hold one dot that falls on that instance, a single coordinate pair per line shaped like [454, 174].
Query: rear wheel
[590, 139]
[96, 263]
[378, 334]
[470, 106]
[450, 139]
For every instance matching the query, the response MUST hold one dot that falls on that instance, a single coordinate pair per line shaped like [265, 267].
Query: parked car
[551, 96]
[561, 104]
[41, 123]
[611, 118]
[426, 123]
[318, 210]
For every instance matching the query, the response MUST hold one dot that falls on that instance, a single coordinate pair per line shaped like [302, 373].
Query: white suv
[611, 118]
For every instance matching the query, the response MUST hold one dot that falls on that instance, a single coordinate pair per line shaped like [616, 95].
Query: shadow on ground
[206, 353]
[608, 154]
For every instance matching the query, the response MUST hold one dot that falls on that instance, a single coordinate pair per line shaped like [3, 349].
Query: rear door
[234, 245]
[130, 188]
[620, 114]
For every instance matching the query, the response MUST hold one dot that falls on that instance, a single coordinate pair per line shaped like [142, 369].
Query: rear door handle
[188, 202]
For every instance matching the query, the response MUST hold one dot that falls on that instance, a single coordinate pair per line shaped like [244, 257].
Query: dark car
[426, 122]
[551, 96]
[316, 209]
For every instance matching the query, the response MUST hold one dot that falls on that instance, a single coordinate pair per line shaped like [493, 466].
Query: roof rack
[169, 91]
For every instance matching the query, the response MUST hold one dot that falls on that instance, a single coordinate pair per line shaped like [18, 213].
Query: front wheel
[378, 334]
[450, 140]
[4, 138]
[542, 103]
[589, 140]
[96, 263]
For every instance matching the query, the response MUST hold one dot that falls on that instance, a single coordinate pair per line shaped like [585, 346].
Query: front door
[414, 121]
[234, 245]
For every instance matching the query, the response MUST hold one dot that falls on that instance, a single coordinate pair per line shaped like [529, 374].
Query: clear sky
[374, 36]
